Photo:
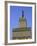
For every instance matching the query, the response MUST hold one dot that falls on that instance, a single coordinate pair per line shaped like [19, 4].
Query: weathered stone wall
[22, 34]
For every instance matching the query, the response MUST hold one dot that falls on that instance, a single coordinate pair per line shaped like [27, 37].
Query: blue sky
[16, 12]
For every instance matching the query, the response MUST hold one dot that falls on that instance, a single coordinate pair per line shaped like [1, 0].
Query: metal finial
[22, 13]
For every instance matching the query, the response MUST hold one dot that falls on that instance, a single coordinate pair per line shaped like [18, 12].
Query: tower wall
[22, 34]
[23, 24]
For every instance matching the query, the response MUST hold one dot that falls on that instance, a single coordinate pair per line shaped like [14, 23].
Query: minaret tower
[22, 21]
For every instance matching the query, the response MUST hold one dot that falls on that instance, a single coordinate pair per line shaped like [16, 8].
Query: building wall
[22, 24]
[22, 34]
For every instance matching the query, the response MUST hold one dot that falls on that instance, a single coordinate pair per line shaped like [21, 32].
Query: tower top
[22, 18]
[22, 13]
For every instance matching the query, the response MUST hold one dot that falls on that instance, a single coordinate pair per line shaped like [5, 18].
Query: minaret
[22, 21]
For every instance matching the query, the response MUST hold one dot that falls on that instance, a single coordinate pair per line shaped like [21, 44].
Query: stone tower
[23, 32]
[22, 20]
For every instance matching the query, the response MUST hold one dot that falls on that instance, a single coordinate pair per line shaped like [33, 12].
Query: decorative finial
[22, 13]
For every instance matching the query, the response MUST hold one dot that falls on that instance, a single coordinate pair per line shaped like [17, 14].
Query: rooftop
[22, 29]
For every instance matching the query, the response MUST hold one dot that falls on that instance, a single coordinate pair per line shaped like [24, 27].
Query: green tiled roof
[21, 29]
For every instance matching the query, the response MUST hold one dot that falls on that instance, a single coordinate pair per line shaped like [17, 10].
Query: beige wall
[22, 34]
[22, 24]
